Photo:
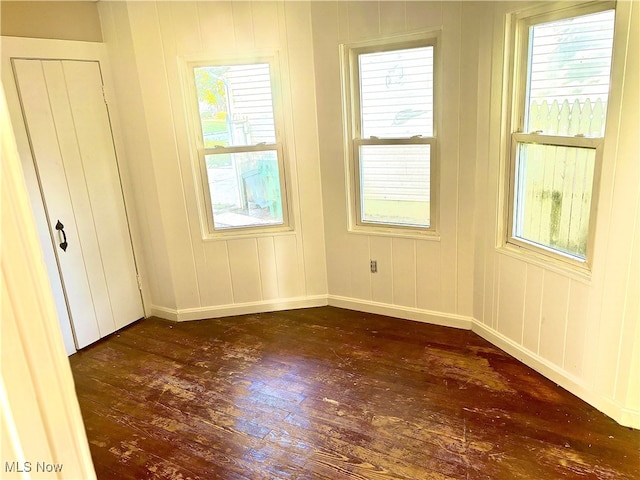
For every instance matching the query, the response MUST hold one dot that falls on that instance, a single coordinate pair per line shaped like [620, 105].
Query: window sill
[237, 234]
[428, 235]
[581, 274]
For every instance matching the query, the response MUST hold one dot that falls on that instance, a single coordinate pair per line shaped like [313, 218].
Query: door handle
[60, 228]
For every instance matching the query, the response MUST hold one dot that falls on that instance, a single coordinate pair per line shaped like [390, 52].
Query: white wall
[426, 279]
[190, 277]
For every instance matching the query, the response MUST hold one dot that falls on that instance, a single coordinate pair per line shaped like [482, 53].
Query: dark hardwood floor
[326, 393]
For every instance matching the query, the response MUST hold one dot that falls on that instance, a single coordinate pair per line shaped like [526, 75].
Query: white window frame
[352, 132]
[520, 23]
[199, 152]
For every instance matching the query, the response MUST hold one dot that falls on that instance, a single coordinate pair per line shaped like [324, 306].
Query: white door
[71, 141]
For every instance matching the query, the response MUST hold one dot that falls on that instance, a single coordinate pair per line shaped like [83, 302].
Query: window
[561, 92]
[238, 145]
[390, 122]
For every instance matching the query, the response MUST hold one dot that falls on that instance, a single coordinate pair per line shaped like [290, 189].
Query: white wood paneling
[412, 273]
[489, 285]
[359, 267]
[245, 271]
[268, 268]
[468, 212]
[423, 14]
[576, 329]
[627, 388]
[243, 25]
[480, 34]
[364, 20]
[174, 20]
[404, 272]
[222, 272]
[428, 279]
[449, 146]
[216, 289]
[286, 250]
[213, 19]
[581, 332]
[532, 306]
[553, 316]
[132, 136]
[511, 294]
[265, 15]
[184, 26]
[495, 285]
[343, 22]
[392, 17]
[479, 297]
[617, 202]
[148, 43]
[382, 282]
[306, 187]
[338, 281]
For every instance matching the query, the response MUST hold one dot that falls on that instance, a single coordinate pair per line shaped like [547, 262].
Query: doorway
[70, 139]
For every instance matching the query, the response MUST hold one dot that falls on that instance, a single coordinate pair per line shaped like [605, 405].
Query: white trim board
[408, 313]
[218, 311]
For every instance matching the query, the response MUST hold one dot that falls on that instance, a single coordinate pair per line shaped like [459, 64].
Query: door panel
[80, 202]
[44, 143]
[93, 131]
[70, 134]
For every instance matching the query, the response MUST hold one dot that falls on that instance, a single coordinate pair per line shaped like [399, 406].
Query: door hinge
[139, 280]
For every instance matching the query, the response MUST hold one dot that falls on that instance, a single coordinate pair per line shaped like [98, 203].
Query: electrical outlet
[374, 266]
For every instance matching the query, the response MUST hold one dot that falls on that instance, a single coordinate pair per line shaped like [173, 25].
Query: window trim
[199, 152]
[553, 140]
[518, 57]
[352, 132]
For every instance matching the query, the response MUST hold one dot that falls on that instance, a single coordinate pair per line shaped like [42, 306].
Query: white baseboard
[163, 312]
[624, 416]
[398, 311]
[628, 418]
[425, 316]
[202, 313]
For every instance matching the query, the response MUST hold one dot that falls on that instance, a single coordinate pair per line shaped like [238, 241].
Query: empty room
[320, 239]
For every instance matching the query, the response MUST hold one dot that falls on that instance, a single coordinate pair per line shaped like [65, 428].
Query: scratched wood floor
[327, 393]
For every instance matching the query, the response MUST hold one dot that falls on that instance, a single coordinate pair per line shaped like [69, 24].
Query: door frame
[46, 49]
